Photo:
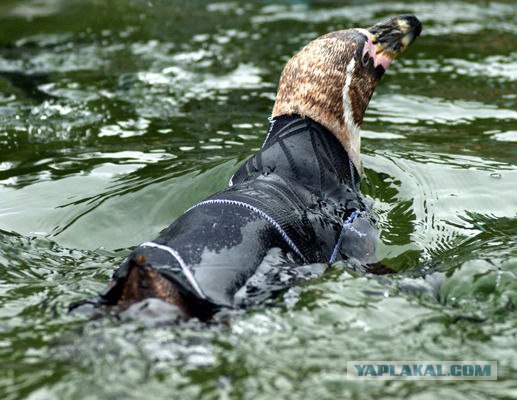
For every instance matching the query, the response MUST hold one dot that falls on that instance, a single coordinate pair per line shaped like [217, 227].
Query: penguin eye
[365, 59]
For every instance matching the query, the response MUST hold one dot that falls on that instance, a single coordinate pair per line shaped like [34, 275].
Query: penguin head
[332, 79]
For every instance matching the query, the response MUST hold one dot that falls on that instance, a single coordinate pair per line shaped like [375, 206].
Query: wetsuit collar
[284, 125]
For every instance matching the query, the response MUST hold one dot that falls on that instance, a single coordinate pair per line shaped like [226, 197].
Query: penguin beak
[393, 35]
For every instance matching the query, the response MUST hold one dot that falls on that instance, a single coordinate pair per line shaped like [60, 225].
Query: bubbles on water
[451, 17]
[503, 67]
[226, 7]
[508, 136]
[125, 129]
[494, 67]
[5, 165]
[32, 9]
[380, 135]
[394, 108]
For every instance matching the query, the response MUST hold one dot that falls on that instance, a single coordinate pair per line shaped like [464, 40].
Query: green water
[116, 116]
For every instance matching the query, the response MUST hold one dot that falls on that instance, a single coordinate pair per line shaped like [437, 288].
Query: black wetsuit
[297, 198]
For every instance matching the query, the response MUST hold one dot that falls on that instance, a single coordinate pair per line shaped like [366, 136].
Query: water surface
[116, 116]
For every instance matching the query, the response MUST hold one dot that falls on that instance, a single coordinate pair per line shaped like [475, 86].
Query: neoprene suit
[298, 197]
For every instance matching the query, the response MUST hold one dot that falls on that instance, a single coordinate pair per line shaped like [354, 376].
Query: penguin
[295, 202]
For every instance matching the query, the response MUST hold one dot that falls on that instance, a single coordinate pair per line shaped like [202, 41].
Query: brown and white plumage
[332, 79]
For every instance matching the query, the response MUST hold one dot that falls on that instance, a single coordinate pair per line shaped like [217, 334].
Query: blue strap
[350, 219]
